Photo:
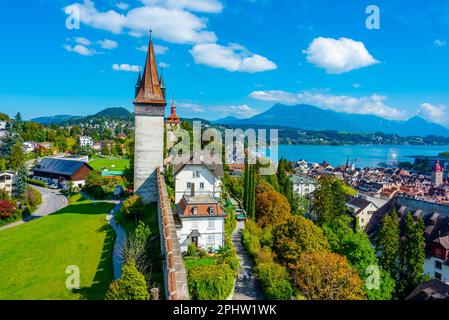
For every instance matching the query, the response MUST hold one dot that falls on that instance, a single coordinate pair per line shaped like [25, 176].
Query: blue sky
[228, 57]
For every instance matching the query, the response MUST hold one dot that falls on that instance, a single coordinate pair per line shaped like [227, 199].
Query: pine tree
[17, 157]
[412, 256]
[388, 244]
[21, 185]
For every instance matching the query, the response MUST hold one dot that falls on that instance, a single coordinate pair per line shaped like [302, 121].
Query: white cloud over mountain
[338, 56]
[80, 49]
[232, 58]
[433, 113]
[374, 104]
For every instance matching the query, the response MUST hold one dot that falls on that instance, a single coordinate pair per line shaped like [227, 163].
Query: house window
[189, 185]
[211, 210]
[194, 210]
[201, 185]
[211, 224]
[210, 239]
[438, 275]
[438, 264]
[196, 174]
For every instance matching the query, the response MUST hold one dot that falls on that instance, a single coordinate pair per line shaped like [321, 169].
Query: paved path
[52, 201]
[244, 289]
[120, 237]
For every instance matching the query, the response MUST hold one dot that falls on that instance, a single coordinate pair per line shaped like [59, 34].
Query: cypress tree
[412, 256]
[388, 244]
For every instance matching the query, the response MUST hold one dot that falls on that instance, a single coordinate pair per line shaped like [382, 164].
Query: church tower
[437, 175]
[149, 110]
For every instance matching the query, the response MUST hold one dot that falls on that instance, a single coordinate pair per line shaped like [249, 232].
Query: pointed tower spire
[150, 91]
[138, 84]
[162, 82]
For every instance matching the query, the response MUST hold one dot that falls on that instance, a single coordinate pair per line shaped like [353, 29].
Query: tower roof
[173, 118]
[437, 167]
[150, 91]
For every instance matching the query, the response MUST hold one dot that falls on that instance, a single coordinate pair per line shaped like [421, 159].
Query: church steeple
[138, 84]
[150, 90]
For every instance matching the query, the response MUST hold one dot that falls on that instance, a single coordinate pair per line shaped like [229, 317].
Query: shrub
[212, 282]
[228, 256]
[191, 250]
[130, 286]
[132, 206]
[36, 182]
[265, 255]
[6, 209]
[274, 280]
[251, 243]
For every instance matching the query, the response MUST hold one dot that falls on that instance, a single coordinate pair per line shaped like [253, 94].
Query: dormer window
[194, 211]
[211, 210]
[196, 174]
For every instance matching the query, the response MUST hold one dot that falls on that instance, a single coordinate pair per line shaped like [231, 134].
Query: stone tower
[437, 175]
[149, 110]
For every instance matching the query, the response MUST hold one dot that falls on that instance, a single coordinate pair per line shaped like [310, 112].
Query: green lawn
[34, 256]
[110, 164]
[193, 262]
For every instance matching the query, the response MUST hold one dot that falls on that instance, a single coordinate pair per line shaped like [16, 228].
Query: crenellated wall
[175, 276]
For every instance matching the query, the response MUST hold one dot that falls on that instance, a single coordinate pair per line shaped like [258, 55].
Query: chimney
[192, 190]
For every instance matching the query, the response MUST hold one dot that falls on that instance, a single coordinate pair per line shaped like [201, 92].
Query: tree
[133, 206]
[296, 236]
[274, 280]
[272, 209]
[412, 255]
[22, 176]
[323, 204]
[17, 157]
[130, 286]
[388, 244]
[357, 248]
[6, 208]
[326, 276]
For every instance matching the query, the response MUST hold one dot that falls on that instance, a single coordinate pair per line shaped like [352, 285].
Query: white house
[302, 185]
[29, 146]
[2, 125]
[86, 141]
[437, 263]
[200, 220]
[362, 210]
[8, 181]
[204, 179]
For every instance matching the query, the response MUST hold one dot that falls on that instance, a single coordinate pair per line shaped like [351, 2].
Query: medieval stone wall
[175, 276]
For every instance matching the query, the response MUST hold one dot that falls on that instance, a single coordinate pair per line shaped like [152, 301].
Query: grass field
[110, 164]
[193, 262]
[34, 256]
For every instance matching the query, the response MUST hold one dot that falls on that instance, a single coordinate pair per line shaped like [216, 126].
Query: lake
[367, 156]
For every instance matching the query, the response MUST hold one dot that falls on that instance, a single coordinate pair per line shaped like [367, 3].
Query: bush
[212, 282]
[274, 280]
[228, 256]
[130, 286]
[32, 198]
[191, 250]
[36, 182]
[133, 206]
[6, 209]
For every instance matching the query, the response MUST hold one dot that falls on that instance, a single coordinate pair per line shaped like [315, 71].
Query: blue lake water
[368, 156]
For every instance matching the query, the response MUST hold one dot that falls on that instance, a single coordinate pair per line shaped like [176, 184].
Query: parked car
[240, 215]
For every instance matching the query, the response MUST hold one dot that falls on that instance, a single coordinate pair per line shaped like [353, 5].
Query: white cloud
[125, 67]
[122, 6]
[158, 49]
[233, 58]
[440, 43]
[142, 48]
[192, 107]
[108, 44]
[163, 65]
[240, 111]
[170, 23]
[80, 49]
[356, 85]
[207, 6]
[83, 41]
[338, 55]
[433, 113]
[374, 104]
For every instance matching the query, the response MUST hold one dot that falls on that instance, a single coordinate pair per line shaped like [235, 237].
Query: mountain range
[108, 113]
[308, 117]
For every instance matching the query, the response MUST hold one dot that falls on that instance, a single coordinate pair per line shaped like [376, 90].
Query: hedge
[274, 280]
[212, 282]
[37, 182]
